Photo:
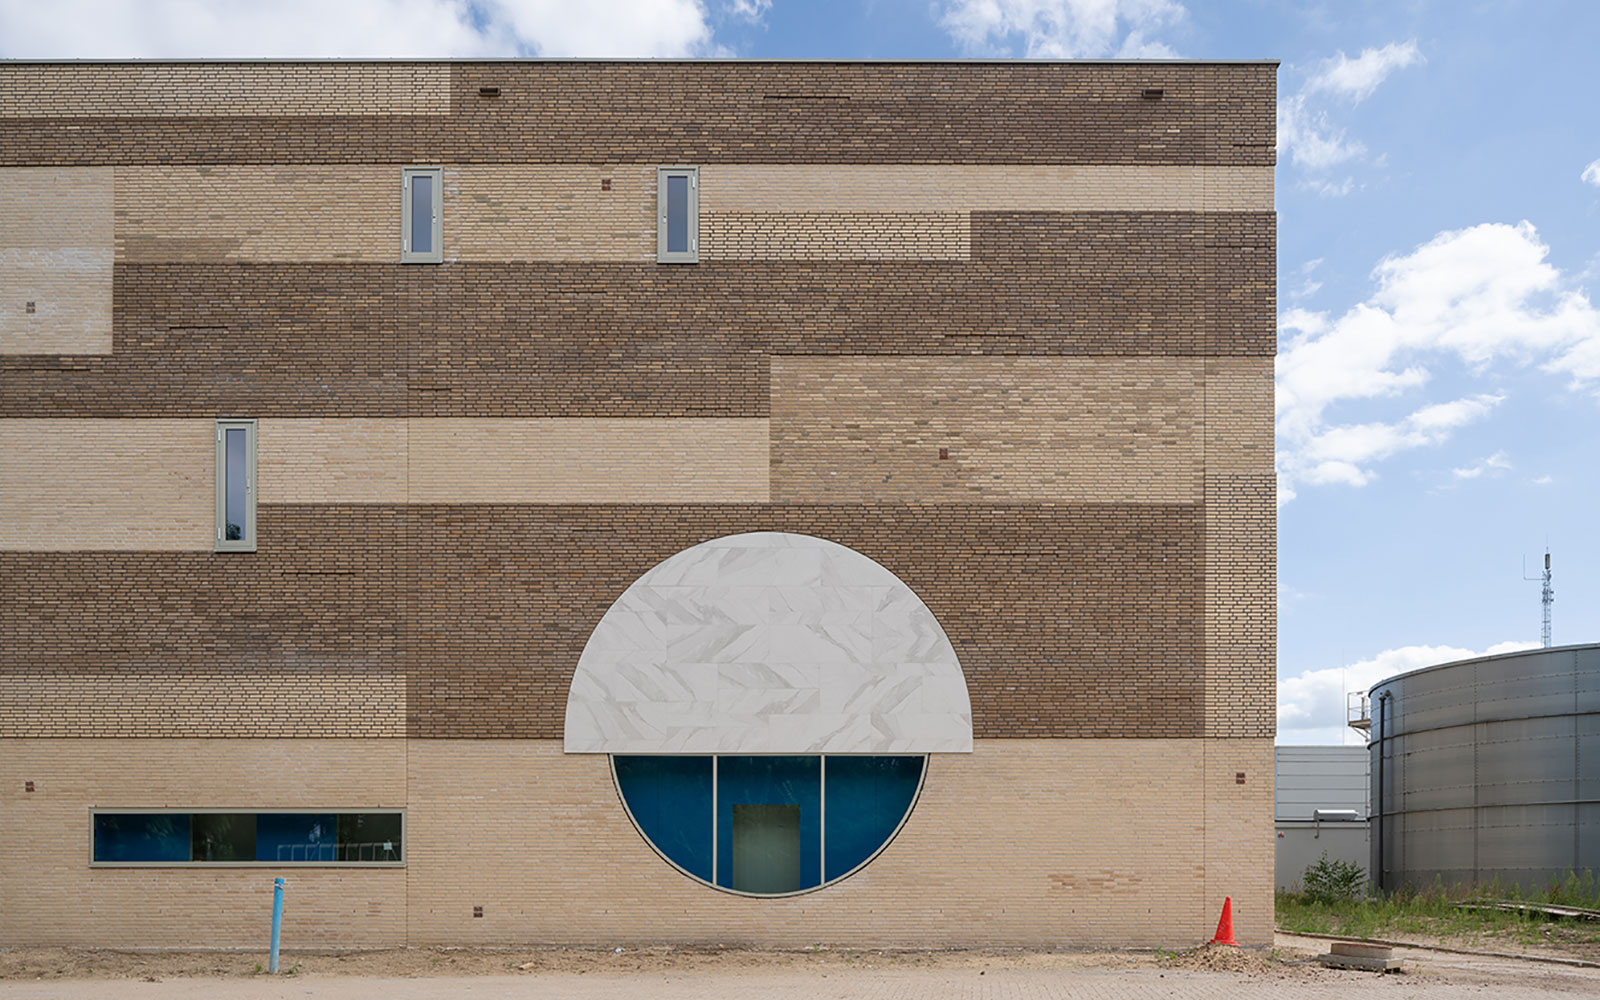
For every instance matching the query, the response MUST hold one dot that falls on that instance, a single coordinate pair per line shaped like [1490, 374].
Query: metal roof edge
[1572, 648]
[450, 60]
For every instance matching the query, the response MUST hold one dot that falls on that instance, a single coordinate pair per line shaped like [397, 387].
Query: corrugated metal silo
[1488, 769]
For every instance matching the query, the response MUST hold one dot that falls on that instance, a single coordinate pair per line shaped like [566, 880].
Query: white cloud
[1312, 705]
[1061, 29]
[1544, 480]
[1476, 296]
[94, 29]
[1307, 134]
[1491, 466]
[1309, 139]
[1310, 285]
[1591, 173]
[1328, 189]
[754, 11]
[1358, 78]
[610, 28]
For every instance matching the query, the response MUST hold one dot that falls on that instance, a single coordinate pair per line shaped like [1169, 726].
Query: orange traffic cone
[1225, 925]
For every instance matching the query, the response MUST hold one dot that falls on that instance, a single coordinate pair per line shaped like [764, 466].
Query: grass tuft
[1432, 912]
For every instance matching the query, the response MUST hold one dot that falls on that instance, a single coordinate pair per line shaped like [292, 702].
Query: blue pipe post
[277, 922]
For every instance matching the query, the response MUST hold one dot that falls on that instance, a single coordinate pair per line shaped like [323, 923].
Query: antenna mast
[1547, 595]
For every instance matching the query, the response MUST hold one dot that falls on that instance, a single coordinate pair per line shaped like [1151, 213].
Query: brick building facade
[1004, 329]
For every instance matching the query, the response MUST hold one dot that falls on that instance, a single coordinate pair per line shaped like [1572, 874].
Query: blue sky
[1439, 260]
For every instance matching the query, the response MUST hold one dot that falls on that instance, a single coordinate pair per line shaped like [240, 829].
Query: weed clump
[1333, 881]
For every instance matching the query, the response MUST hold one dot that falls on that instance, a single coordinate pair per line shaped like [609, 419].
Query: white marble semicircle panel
[768, 642]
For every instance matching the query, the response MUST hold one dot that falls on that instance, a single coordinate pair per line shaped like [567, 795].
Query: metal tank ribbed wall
[1488, 769]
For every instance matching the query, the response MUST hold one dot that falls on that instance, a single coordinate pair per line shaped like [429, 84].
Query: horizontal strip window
[218, 837]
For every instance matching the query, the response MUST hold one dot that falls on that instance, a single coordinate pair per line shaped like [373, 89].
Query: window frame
[715, 881]
[692, 255]
[436, 255]
[94, 812]
[246, 543]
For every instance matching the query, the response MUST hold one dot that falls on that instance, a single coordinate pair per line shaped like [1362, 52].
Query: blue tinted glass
[141, 837]
[867, 798]
[284, 837]
[677, 214]
[222, 837]
[769, 781]
[421, 213]
[234, 516]
[670, 798]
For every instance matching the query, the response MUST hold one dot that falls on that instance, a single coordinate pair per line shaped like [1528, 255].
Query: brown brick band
[643, 340]
[1080, 620]
[713, 113]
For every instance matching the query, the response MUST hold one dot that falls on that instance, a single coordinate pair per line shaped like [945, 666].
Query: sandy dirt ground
[1288, 970]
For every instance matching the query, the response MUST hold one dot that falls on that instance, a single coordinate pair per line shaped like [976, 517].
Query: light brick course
[182, 214]
[49, 894]
[1112, 430]
[55, 254]
[549, 212]
[174, 90]
[539, 839]
[833, 187]
[594, 460]
[69, 484]
[73, 484]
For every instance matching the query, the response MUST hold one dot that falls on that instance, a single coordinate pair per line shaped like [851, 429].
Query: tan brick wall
[550, 212]
[169, 703]
[588, 460]
[1241, 547]
[835, 236]
[1009, 845]
[148, 484]
[1052, 429]
[275, 90]
[561, 212]
[501, 212]
[50, 896]
[258, 213]
[55, 253]
[107, 484]
[1241, 604]
[331, 460]
[975, 188]
[1240, 849]
[512, 460]
[1239, 415]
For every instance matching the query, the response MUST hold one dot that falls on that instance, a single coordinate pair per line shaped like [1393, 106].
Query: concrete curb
[1548, 959]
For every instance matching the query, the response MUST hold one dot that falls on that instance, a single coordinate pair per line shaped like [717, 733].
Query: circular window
[769, 825]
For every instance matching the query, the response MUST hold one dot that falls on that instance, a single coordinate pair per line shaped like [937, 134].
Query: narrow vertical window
[236, 486]
[677, 215]
[421, 202]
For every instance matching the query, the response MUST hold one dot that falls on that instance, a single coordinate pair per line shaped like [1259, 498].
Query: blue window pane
[286, 837]
[670, 799]
[141, 837]
[238, 449]
[867, 798]
[677, 213]
[763, 840]
[421, 213]
[222, 837]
